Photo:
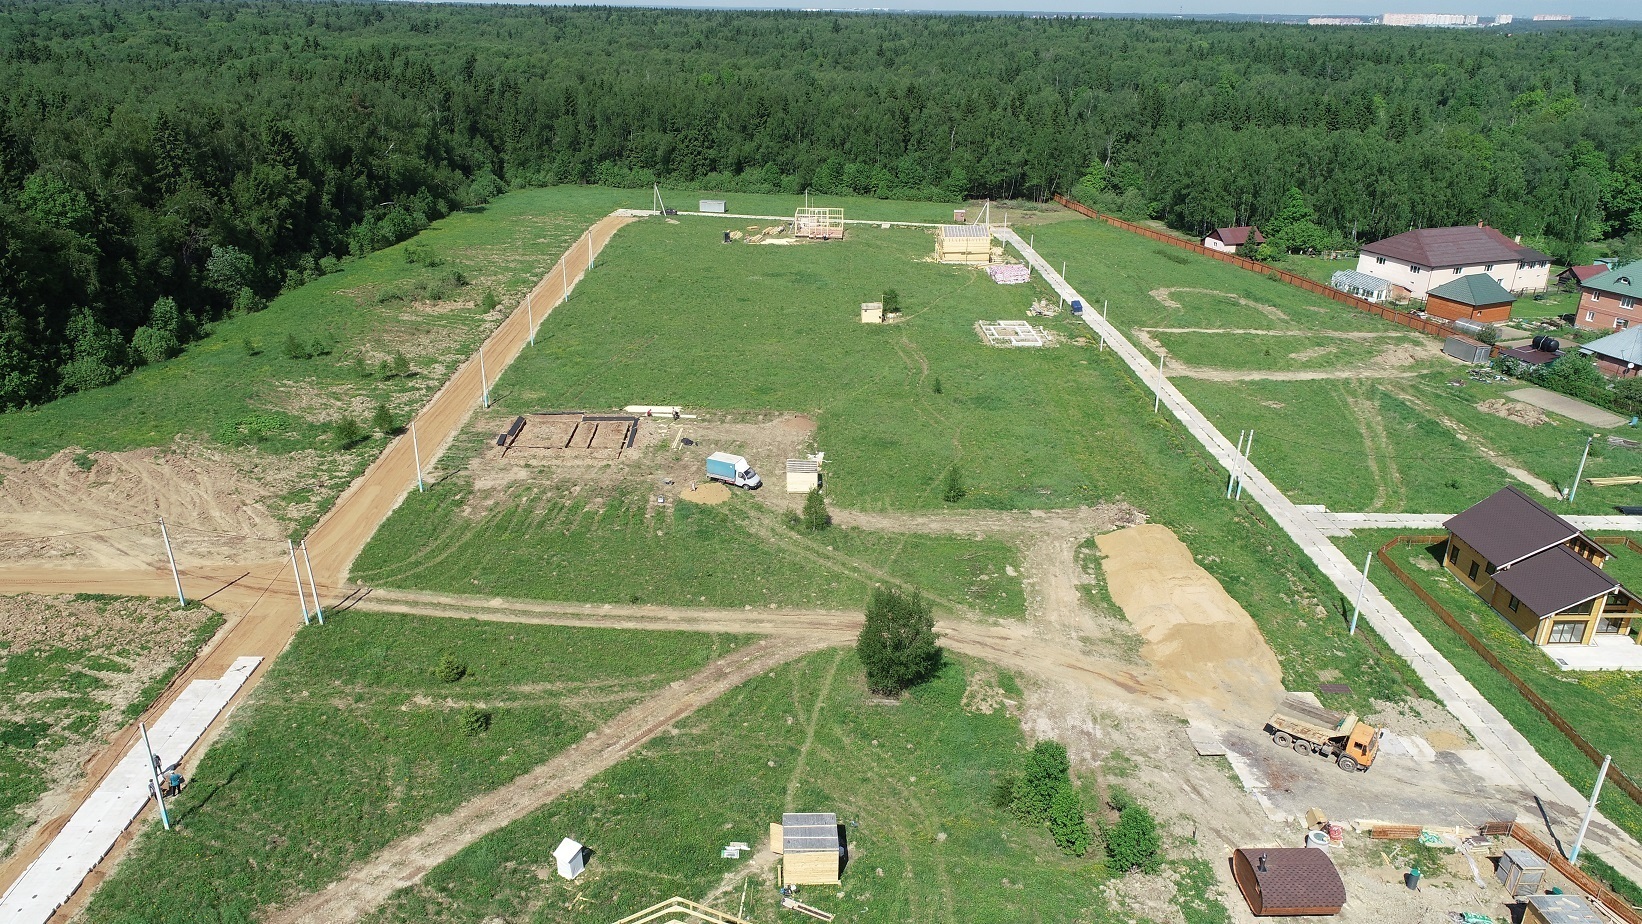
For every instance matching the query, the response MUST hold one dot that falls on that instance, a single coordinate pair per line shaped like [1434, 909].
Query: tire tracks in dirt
[1465, 435]
[404, 862]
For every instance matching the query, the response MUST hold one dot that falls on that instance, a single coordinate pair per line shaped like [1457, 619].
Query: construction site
[566, 648]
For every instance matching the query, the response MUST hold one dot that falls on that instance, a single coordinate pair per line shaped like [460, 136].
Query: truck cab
[1362, 745]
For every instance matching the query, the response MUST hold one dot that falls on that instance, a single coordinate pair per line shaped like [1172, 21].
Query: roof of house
[1465, 245]
[1625, 346]
[1555, 580]
[1477, 290]
[1239, 235]
[1583, 273]
[1621, 280]
[809, 832]
[1508, 526]
[1354, 279]
[1295, 877]
[1564, 909]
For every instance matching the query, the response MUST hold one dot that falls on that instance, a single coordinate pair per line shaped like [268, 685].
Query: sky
[1608, 9]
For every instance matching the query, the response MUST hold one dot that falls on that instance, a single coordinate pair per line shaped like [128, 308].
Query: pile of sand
[1203, 644]
[706, 492]
[1525, 414]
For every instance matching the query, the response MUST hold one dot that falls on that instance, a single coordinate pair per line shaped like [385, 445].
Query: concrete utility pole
[1157, 400]
[416, 453]
[1246, 450]
[1581, 472]
[1236, 464]
[301, 598]
[154, 776]
[175, 577]
[312, 584]
[484, 380]
[530, 318]
[1357, 607]
[589, 249]
[1590, 809]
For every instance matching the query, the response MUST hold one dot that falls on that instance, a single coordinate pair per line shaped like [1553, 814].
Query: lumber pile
[1383, 832]
[1615, 480]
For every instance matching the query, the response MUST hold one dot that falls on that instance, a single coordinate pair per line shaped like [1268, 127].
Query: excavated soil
[1525, 414]
[709, 492]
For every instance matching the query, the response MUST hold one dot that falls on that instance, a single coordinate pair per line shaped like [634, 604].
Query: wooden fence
[1432, 326]
[1615, 774]
[1620, 908]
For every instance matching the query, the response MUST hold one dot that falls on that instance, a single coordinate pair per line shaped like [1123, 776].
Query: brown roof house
[1539, 572]
[1229, 239]
[1477, 297]
[1288, 880]
[1415, 262]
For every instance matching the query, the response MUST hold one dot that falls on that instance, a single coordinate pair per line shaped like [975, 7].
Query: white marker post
[484, 380]
[175, 577]
[1358, 606]
[530, 318]
[312, 584]
[416, 453]
[1231, 482]
[1590, 809]
[589, 249]
[1240, 468]
[1158, 399]
[1579, 474]
[154, 775]
[300, 597]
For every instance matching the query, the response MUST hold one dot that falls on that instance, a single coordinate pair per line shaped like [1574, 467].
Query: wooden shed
[964, 244]
[1558, 909]
[810, 849]
[1288, 881]
[872, 312]
[803, 475]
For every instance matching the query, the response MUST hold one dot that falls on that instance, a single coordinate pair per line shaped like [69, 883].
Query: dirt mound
[1204, 645]
[709, 492]
[1525, 414]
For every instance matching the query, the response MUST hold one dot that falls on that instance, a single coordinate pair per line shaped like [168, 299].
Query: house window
[1514, 604]
[1473, 572]
[1627, 303]
[1456, 270]
[1590, 316]
[1596, 296]
[1380, 260]
[1566, 633]
[1620, 324]
[1416, 270]
[1489, 268]
[1453, 554]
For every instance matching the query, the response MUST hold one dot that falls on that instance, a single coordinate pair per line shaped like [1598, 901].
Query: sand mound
[1204, 645]
[1525, 414]
[708, 492]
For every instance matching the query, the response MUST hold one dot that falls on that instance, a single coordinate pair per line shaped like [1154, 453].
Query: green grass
[1272, 354]
[351, 742]
[912, 783]
[110, 658]
[1603, 706]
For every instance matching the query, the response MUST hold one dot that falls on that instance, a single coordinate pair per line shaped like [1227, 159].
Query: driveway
[1568, 407]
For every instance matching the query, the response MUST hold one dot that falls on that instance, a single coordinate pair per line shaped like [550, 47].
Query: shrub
[487, 302]
[295, 348]
[247, 301]
[347, 430]
[449, 670]
[401, 365]
[154, 346]
[1066, 822]
[892, 302]
[360, 370]
[1046, 772]
[935, 386]
[815, 517]
[475, 721]
[382, 419]
[1133, 842]
[250, 347]
[952, 485]
[897, 645]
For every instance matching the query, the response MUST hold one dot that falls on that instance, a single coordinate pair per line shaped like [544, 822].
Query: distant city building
[1335, 21]
[1427, 19]
[1551, 17]
[1503, 19]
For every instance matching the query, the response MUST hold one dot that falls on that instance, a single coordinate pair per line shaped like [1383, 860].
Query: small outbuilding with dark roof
[1288, 880]
[1477, 297]
[1229, 239]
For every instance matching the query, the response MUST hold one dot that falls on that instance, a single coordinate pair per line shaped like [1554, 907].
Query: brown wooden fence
[1615, 774]
[1432, 326]
[1621, 908]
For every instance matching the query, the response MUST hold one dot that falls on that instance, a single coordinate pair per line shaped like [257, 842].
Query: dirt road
[407, 860]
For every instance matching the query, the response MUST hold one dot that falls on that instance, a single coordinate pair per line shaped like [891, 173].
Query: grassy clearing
[1603, 706]
[913, 784]
[72, 671]
[1273, 354]
[352, 741]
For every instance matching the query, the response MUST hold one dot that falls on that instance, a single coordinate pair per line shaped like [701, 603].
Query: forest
[164, 163]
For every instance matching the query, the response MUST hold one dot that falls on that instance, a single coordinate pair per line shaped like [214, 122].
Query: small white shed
[569, 857]
[713, 205]
[872, 312]
[803, 475]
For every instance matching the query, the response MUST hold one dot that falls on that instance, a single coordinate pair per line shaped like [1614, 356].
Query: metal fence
[1621, 908]
[1431, 326]
[1615, 775]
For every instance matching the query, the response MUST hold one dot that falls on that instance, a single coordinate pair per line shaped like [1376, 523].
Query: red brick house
[1608, 301]
[1478, 297]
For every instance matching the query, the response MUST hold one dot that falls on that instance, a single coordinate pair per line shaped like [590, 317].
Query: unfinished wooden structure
[1559, 909]
[567, 433]
[819, 224]
[970, 244]
[872, 312]
[1288, 881]
[811, 851]
[681, 911]
[803, 475]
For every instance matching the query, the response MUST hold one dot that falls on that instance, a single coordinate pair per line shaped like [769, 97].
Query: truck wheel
[1301, 747]
[1282, 739]
[1347, 764]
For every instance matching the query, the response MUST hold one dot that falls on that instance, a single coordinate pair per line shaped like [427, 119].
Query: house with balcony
[1609, 300]
[1544, 577]
[1415, 262]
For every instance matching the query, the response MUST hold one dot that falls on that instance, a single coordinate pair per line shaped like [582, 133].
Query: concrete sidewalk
[1568, 407]
[1537, 779]
[1341, 524]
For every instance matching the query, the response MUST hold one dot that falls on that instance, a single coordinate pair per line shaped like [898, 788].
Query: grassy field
[1603, 706]
[72, 671]
[1274, 354]
[352, 741]
[912, 783]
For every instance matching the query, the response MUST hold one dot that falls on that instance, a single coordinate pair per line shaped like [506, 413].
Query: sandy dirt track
[259, 600]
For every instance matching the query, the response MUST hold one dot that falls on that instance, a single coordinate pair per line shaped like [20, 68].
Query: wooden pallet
[1395, 832]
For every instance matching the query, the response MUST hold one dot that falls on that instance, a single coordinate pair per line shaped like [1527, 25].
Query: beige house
[964, 244]
[1416, 262]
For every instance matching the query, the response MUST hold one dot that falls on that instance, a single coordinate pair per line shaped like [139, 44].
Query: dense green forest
[165, 162]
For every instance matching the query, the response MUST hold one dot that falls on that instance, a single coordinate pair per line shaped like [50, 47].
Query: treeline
[164, 163]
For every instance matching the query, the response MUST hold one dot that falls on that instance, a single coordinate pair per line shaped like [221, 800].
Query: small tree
[815, 517]
[294, 348]
[401, 365]
[897, 645]
[952, 485]
[1044, 775]
[935, 386]
[1133, 842]
[382, 419]
[347, 430]
[892, 302]
[1067, 825]
[449, 669]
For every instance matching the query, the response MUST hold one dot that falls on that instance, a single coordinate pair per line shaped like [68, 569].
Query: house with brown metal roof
[1288, 880]
[1537, 571]
[1229, 239]
[1415, 262]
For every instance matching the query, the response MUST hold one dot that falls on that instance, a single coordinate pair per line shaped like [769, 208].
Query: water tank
[1552, 345]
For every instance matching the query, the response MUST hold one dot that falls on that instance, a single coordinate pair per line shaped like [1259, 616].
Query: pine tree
[897, 645]
[952, 485]
[382, 419]
[815, 517]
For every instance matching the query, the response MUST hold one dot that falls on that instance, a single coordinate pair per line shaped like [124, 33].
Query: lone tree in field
[815, 517]
[382, 419]
[952, 485]
[347, 431]
[892, 302]
[897, 645]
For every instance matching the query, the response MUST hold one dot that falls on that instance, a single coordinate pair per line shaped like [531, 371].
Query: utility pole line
[484, 380]
[312, 584]
[154, 776]
[1245, 464]
[175, 577]
[416, 453]
[1590, 809]
[1236, 464]
[1357, 607]
[301, 599]
[1581, 472]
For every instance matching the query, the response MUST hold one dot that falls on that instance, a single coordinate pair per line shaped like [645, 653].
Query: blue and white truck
[721, 466]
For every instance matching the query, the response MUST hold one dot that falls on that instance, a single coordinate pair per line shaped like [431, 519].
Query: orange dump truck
[1311, 729]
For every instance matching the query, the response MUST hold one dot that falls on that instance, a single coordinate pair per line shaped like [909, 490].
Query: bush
[1133, 842]
[1066, 822]
[401, 365]
[892, 302]
[952, 485]
[487, 302]
[935, 385]
[295, 348]
[382, 419]
[154, 346]
[449, 670]
[249, 346]
[1046, 771]
[347, 430]
[475, 721]
[897, 645]
[815, 517]
[248, 302]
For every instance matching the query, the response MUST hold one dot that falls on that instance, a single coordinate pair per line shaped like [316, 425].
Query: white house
[1415, 262]
[1228, 240]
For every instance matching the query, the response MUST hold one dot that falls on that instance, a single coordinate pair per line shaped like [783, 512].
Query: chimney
[1519, 239]
[1263, 863]
[1481, 225]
